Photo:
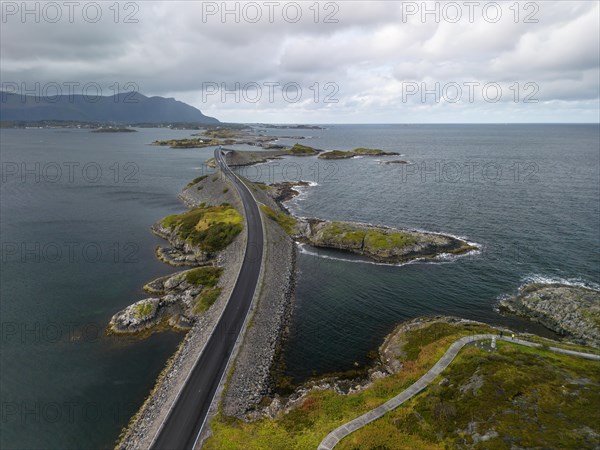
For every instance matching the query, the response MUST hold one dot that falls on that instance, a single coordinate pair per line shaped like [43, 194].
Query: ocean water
[76, 249]
[528, 195]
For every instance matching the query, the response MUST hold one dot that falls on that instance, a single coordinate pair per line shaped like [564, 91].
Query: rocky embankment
[251, 378]
[570, 311]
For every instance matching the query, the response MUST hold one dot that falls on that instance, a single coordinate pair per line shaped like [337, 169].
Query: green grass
[196, 180]
[591, 315]
[262, 186]
[530, 397]
[299, 149]
[378, 240]
[205, 276]
[336, 154]
[344, 233]
[143, 310]
[566, 345]
[206, 299]
[212, 228]
[354, 235]
[288, 223]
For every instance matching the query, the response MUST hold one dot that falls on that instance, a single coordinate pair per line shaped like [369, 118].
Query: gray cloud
[370, 53]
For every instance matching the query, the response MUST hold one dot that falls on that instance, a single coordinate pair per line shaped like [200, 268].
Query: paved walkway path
[332, 439]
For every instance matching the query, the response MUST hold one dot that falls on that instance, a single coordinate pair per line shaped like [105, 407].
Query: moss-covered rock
[180, 299]
[382, 244]
[211, 228]
[302, 150]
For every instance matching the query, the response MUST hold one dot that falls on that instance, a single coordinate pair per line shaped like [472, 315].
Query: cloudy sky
[325, 62]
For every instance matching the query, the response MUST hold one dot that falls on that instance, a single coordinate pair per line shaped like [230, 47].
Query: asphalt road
[187, 416]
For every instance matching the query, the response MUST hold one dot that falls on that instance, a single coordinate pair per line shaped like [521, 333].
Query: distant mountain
[121, 108]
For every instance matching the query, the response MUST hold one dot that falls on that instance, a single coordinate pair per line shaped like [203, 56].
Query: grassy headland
[212, 228]
[511, 396]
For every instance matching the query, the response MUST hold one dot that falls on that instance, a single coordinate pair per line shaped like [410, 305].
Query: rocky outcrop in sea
[570, 311]
[382, 244]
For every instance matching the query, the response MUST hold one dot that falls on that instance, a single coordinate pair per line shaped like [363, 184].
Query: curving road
[333, 438]
[187, 416]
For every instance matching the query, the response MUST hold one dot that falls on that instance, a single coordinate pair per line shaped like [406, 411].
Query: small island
[570, 311]
[245, 158]
[378, 243]
[342, 154]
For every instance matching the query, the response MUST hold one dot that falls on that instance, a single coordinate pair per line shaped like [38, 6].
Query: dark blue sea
[75, 213]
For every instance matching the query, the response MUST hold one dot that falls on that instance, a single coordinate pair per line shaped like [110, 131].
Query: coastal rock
[176, 301]
[570, 311]
[382, 244]
[180, 253]
[135, 317]
[284, 191]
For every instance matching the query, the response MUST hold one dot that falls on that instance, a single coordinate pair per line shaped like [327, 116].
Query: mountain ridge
[126, 108]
